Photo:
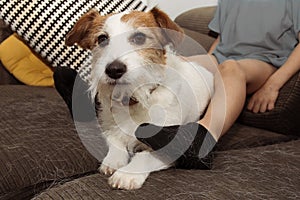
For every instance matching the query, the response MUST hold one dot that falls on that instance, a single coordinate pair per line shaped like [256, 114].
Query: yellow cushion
[23, 64]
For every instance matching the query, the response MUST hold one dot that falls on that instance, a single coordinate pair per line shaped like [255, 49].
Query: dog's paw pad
[127, 181]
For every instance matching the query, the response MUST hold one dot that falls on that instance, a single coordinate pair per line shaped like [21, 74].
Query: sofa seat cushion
[40, 147]
[269, 172]
[241, 136]
[39, 144]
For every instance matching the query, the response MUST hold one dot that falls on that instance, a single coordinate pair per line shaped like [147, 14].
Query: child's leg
[234, 80]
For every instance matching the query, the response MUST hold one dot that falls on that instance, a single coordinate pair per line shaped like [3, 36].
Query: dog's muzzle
[116, 69]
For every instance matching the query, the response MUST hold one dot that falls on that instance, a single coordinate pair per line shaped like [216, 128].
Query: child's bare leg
[234, 80]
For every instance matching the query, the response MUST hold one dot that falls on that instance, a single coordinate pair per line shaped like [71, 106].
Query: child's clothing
[266, 30]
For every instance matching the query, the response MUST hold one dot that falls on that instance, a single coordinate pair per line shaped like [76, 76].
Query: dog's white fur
[169, 92]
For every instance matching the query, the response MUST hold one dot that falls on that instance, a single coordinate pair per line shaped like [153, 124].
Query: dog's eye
[138, 38]
[103, 40]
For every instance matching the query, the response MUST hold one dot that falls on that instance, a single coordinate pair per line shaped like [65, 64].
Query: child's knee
[232, 68]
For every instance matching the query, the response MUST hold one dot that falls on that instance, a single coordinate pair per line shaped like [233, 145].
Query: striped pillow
[44, 25]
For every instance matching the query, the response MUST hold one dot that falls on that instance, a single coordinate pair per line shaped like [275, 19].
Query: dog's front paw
[110, 164]
[104, 169]
[127, 181]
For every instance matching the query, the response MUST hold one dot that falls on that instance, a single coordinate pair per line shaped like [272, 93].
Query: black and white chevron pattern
[44, 25]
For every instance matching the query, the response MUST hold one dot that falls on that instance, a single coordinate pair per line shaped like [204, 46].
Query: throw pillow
[20, 61]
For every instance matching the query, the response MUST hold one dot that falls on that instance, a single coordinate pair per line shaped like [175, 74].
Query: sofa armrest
[285, 117]
[195, 25]
[197, 20]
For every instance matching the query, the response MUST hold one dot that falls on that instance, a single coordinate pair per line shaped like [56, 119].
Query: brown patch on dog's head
[139, 19]
[175, 36]
[85, 31]
[170, 31]
[154, 55]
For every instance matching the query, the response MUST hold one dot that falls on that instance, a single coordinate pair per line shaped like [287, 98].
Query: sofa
[42, 155]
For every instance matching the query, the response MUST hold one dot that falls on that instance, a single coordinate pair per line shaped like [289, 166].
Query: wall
[174, 7]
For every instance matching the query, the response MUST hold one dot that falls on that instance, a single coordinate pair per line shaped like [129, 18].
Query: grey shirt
[266, 30]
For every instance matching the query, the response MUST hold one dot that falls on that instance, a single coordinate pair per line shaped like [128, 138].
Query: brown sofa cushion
[39, 145]
[7, 78]
[5, 31]
[285, 118]
[240, 136]
[195, 25]
[197, 19]
[195, 43]
[269, 172]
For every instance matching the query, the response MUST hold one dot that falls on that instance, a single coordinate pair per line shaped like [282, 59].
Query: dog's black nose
[116, 69]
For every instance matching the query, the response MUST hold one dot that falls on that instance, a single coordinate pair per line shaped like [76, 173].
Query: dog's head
[128, 48]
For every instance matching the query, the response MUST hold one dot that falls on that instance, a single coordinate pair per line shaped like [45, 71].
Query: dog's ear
[173, 33]
[84, 31]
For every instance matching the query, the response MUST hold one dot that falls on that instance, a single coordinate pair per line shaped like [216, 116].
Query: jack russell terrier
[138, 78]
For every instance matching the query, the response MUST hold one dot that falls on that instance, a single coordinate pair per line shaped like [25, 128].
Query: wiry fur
[167, 89]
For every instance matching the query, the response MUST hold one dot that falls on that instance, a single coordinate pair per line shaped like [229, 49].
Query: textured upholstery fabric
[195, 25]
[40, 148]
[39, 145]
[285, 117]
[7, 78]
[197, 19]
[195, 43]
[257, 173]
[5, 31]
[240, 136]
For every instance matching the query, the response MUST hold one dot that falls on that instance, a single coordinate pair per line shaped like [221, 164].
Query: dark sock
[189, 145]
[74, 91]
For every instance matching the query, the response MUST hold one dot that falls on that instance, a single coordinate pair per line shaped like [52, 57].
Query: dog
[138, 78]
